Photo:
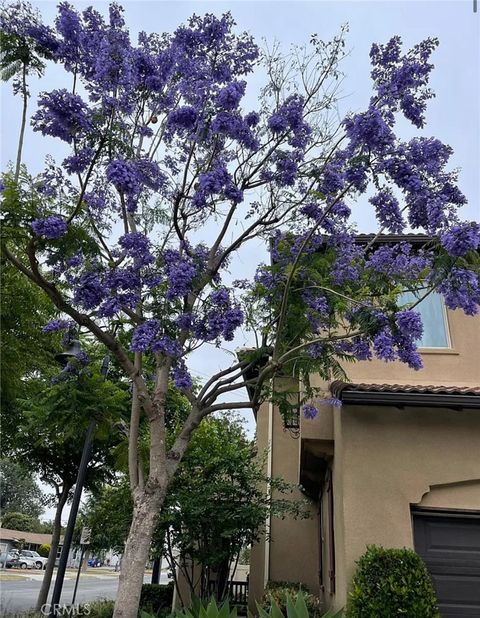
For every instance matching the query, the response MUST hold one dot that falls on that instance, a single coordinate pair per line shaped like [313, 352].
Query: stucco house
[398, 465]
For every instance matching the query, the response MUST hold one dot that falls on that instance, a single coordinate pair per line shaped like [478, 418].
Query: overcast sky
[453, 116]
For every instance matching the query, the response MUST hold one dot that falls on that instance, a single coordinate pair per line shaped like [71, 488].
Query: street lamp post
[63, 359]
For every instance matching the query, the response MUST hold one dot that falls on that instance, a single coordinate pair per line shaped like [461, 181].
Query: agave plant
[209, 609]
[202, 608]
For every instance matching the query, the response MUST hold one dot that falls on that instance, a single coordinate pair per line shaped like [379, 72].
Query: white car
[39, 562]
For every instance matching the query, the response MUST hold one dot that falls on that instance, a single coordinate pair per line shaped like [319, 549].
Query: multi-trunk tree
[169, 176]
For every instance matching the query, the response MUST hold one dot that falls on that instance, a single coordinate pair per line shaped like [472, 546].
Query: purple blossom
[461, 238]
[289, 118]
[89, 291]
[180, 272]
[309, 411]
[361, 349]
[409, 323]
[461, 290]
[287, 170]
[408, 354]
[229, 97]
[110, 307]
[384, 344]
[79, 162]
[75, 260]
[123, 175]
[183, 118]
[252, 119]
[369, 130]
[388, 211]
[57, 325]
[167, 346]
[401, 81]
[232, 125]
[144, 335]
[53, 227]
[182, 378]
[316, 350]
[399, 261]
[62, 114]
[184, 321]
[137, 246]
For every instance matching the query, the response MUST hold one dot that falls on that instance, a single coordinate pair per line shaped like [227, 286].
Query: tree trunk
[145, 515]
[52, 556]
[24, 122]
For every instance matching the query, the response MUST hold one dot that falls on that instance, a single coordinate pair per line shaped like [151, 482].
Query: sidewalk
[91, 573]
[34, 575]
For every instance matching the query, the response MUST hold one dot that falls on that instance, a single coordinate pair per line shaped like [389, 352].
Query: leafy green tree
[217, 504]
[21, 521]
[19, 491]
[52, 427]
[108, 513]
[26, 351]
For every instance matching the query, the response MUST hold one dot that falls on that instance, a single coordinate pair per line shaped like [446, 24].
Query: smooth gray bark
[145, 515]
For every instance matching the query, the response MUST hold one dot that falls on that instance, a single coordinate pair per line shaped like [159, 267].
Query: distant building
[19, 539]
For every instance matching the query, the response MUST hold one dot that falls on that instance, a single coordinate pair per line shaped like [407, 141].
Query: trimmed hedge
[156, 597]
[389, 583]
[156, 600]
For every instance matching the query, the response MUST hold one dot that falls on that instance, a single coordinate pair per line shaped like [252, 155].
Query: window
[434, 318]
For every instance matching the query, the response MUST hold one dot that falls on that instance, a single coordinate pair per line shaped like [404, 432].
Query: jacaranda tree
[169, 176]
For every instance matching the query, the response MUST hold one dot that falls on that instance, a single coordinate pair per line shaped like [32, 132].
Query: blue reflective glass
[433, 317]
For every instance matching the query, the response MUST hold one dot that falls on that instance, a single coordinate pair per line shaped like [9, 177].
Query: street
[18, 593]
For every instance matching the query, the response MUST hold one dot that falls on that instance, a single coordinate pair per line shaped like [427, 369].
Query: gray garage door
[450, 545]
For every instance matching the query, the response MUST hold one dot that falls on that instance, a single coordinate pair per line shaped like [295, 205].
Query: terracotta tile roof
[338, 387]
[413, 395]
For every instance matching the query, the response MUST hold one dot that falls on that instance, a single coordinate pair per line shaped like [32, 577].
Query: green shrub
[294, 608]
[156, 597]
[389, 583]
[44, 550]
[276, 593]
[97, 609]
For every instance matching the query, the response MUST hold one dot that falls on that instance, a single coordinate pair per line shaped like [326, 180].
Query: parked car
[20, 562]
[95, 562]
[40, 561]
[6, 560]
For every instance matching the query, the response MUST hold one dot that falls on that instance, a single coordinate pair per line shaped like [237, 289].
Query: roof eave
[402, 399]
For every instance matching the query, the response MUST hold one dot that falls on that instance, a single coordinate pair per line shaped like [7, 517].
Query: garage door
[450, 545]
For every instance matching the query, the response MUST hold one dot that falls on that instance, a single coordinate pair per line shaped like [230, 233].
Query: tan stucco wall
[463, 495]
[390, 459]
[293, 551]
